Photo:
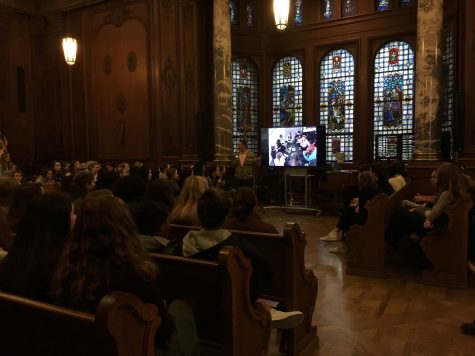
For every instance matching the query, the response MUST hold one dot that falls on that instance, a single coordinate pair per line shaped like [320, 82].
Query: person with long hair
[418, 221]
[41, 236]
[185, 211]
[105, 254]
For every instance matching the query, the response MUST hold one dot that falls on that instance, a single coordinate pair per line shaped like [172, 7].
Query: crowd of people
[78, 231]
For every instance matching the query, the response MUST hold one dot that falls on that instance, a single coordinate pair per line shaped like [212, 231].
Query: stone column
[428, 79]
[223, 126]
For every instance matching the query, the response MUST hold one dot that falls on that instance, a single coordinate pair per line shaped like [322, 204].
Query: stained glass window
[337, 92]
[383, 5]
[233, 12]
[394, 101]
[298, 19]
[245, 123]
[287, 92]
[448, 90]
[327, 9]
[403, 3]
[250, 13]
[348, 8]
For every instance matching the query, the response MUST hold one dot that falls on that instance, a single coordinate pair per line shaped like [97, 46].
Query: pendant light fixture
[281, 14]
[70, 47]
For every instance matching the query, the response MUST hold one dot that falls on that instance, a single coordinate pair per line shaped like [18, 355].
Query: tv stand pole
[289, 173]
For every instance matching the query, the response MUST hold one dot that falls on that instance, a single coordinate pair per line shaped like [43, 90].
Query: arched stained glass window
[383, 5]
[349, 8]
[233, 12]
[287, 92]
[394, 101]
[250, 16]
[327, 9]
[448, 91]
[245, 102]
[337, 92]
[298, 18]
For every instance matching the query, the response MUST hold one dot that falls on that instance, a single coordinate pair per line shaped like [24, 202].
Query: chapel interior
[181, 81]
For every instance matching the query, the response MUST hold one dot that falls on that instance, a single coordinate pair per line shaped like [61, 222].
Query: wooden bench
[293, 285]
[219, 291]
[122, 326]
[448, 251]
[366, 244]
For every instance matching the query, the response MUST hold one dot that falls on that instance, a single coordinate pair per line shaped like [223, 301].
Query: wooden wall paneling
[188, 79]
[5, 108]
[170, 133]
[120, 88]
[155, 88]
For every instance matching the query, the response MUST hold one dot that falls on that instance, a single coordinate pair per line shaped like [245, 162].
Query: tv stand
[291, 173]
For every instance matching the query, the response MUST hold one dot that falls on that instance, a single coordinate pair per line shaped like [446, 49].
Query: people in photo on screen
[296, 150]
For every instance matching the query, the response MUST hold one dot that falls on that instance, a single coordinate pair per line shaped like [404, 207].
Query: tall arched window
[327, 9]
[287, 92]
[233, 12]
[348, 8]
[337, 91]
[250, 15]
[394, 101]
[245, 103]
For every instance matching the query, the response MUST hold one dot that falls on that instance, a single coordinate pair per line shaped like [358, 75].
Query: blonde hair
[185, 211]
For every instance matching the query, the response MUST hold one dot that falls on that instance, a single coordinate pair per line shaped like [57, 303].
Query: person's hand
[428, 224]
[357, 210]
[418, 198]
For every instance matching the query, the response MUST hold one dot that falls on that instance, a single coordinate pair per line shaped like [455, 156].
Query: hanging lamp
[281, 14]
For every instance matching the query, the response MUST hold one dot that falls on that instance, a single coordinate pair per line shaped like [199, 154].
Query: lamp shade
[70, 47]
[281, 14]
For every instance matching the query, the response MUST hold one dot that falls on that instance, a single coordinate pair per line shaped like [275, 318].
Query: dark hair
[104, 235]
[7, 186]
[161, 190]
[130, 188]
[21, 196]
[41, 235]
[149, 217]
[244, 200]
[107, 180]
[82, 180]
[243, 142]
[213, 208]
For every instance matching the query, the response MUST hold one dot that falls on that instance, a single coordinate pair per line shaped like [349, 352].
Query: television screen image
[291, 146]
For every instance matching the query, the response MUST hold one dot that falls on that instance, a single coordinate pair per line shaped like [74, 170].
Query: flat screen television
[300, 146]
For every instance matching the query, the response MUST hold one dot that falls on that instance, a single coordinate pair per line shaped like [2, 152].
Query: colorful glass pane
[233, 13]
[393, 95]
[298, 19]
[287, 106]
[394, 102]
[245, 102]
[287, 92]
[327, 9]
[383, 5]
[250, 13]
[349, 7]
[337, 85]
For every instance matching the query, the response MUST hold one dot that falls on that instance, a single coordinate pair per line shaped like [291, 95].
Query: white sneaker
[334, 235]
[285, 320]
[471, 266]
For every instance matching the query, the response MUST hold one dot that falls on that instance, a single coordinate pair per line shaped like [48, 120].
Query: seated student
[380, 177]
[21, 197]
[105, 254]
[243, 213]
[356, 212]
[420, 200]
[205, 244]
[41, 235]
[418, 221]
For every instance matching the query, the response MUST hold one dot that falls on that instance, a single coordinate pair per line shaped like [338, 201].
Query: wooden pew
[122, 326]
[366, 244]
[219, 291]
[448, 251]
[293, 285]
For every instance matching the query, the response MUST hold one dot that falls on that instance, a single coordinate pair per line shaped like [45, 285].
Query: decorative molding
[107, 64]
[169, 74]
[119, 13]
[131, 61]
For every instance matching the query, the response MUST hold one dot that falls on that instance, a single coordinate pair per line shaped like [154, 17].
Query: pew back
[122, 326]
[219, 292]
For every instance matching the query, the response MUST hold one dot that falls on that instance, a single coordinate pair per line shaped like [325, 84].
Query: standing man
[243, 163]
